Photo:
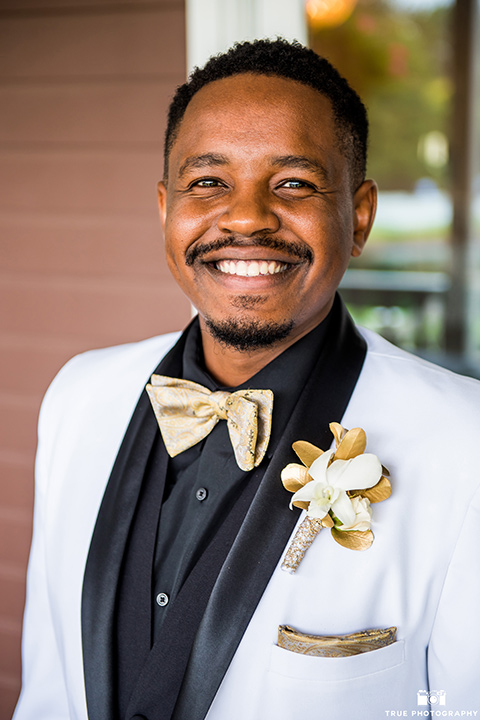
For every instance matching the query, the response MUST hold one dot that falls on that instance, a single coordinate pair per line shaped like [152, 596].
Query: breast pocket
[360, 687]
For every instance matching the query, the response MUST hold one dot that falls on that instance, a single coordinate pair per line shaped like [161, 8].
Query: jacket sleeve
[454, 649]
[43, 695]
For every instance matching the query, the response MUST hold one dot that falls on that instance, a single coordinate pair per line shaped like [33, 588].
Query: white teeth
[250, 268]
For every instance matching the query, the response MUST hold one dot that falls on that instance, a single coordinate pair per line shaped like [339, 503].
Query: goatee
[247, 335]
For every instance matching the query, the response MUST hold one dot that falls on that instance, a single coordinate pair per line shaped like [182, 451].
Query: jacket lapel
[269, 521]
[107, 548]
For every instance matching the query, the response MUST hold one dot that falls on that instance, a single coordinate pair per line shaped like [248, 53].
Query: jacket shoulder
[417, 392]
[382, 351]
[96, 372]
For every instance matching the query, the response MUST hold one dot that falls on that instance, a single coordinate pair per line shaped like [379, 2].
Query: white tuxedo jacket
[422, 573]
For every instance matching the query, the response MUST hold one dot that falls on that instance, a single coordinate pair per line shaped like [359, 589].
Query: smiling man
[157, 585]
[262, 212]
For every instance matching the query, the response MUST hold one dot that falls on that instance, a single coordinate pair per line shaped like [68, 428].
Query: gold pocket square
[335, 645]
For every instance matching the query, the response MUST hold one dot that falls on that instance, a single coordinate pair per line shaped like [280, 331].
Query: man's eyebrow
[301, 161]
[194, 162]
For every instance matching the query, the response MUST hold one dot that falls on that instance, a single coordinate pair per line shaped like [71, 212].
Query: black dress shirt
[204, 482]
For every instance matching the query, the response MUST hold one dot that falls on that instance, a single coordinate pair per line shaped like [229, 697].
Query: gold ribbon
[187, 412]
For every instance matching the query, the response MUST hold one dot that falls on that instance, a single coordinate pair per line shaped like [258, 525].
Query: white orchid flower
[331, 481]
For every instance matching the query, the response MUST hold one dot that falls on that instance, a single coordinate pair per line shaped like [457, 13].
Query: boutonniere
[336, 488]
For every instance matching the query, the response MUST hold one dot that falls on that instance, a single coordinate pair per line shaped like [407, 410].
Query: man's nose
[248, 212]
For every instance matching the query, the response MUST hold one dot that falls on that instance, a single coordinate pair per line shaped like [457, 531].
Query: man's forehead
[283, 114]
[254, 89]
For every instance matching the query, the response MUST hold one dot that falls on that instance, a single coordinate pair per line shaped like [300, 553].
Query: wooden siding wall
[84, 87]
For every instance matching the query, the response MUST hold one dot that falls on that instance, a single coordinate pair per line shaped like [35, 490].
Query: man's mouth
[247, 255]
[251, 268]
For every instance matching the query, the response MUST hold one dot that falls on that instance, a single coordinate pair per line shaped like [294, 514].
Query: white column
[214, 25]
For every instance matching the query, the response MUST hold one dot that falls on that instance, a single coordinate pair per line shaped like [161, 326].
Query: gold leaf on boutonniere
[336, 488]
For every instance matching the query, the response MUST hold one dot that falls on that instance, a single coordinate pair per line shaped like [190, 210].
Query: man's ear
[365, 207]
[162, 202]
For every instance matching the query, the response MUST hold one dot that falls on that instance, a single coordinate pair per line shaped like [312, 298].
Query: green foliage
[399, 62]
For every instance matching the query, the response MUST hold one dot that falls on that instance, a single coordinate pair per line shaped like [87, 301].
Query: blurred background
[84, 87]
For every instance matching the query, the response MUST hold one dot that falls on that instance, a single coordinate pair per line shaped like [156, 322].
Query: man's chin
[248, 335]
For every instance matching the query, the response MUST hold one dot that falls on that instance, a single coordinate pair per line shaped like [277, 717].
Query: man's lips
[251, 250]
[250, 268]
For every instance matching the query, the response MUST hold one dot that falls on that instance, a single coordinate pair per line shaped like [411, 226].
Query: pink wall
[84, 86]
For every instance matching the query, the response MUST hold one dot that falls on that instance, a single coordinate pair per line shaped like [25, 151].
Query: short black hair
[289, 60]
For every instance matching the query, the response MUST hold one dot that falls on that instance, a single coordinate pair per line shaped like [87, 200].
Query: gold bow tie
[187, 412]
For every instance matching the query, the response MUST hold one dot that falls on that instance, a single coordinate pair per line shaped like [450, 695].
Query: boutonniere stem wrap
[336, 488]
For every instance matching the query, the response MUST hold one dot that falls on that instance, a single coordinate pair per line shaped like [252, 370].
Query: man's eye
[296, 184]
[206, 183]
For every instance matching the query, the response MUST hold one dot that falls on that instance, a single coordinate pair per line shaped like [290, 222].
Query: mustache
[296, 250]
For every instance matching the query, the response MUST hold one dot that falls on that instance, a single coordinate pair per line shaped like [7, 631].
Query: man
[156, 586]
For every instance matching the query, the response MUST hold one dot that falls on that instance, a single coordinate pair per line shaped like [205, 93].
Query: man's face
[259, 216]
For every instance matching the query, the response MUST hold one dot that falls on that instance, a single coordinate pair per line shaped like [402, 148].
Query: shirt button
[162, 599]
[201, 494]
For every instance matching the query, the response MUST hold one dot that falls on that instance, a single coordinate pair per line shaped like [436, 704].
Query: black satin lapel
[269, 521]
[108, 545]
